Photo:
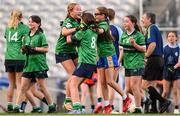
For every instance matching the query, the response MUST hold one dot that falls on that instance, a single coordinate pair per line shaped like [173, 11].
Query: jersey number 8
[93, 42]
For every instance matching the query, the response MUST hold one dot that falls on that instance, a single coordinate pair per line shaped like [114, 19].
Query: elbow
[46, 50]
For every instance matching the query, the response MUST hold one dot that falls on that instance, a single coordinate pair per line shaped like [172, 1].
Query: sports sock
[155, 95]
[44, 101]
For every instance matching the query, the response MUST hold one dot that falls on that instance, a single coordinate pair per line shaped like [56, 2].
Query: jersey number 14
[13, 37]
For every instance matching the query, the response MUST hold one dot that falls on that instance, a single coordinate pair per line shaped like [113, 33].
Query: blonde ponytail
[15, 18]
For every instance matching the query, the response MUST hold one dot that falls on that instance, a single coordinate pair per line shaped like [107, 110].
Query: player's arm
[150, 49]
[177, 64]
[100, 30]
[138, 47]
[121, 50]
[66, 31]
[41, 49]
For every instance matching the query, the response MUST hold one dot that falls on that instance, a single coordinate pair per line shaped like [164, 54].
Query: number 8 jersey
[14, 40]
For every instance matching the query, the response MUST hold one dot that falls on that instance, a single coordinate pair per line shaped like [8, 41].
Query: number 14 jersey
[14, 40]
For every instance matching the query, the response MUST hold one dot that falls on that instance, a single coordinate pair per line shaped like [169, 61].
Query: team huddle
[92, 50]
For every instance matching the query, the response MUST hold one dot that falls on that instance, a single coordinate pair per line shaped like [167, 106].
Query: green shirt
[14, 40]
[133, 60]
[87, 48]
[105, 47]
[36, 62]
[62, 46]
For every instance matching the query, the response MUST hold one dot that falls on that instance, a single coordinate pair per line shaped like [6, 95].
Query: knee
[110, 82]
[23, 89]
[73, 83]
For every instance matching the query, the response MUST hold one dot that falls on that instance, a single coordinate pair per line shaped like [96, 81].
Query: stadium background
[54, 11]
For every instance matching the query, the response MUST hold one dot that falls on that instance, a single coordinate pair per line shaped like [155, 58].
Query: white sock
[106, 103]
[144, 99]
[124, 97]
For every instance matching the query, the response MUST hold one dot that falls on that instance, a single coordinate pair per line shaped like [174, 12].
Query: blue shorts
[167, 75]
[61, 57]
[108, 62]
[85, 70]
[134, 72]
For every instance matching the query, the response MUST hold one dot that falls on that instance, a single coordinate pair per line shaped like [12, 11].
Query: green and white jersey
[87, 48]
[36, 62]
[62, 46]
[14, 40]
[105, 47]
[133, 59]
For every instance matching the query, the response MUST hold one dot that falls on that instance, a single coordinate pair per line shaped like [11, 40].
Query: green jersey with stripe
[62, 46]
[105, 47]
[132, 58]
[87, 48]
[36, 62]
[14, 40]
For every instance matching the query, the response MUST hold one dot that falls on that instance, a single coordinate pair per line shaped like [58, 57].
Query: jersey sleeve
[179, 53]
[151, 37]
[103, 25]
[5, 33]
[26, 30]
[79, 35]
[121, 39]
[141, 40]
[67, 23]
[44, 42]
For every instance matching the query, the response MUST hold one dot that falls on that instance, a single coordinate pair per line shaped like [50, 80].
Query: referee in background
[154, 62]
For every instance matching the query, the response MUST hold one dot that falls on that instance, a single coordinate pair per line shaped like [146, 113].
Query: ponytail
[15, 18]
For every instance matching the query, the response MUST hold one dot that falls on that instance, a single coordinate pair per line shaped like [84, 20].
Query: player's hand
[27, 49]
[82, 26]
[132, 41]
[171, 69]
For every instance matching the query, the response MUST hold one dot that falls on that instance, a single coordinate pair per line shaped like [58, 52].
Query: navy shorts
[108, 62]
[14, 65]
[84, 70]
[61, 57]
[169, 76]
[34, 75]
[134, 72]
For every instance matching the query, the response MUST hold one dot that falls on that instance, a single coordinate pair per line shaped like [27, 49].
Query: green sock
[68, 100]
[77, 106]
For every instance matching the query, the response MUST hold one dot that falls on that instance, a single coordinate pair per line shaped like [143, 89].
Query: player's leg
[176, 96]
[43, 87]
[10, 91]
[69, 66]
[136, 90]
[166, 86]
[25, 82]
[38, 94]
[75, 83]
[99, 104]
[84, 92]
[91, 94]
[111, 90]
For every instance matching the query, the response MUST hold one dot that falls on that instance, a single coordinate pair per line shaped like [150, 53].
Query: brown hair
[37, 20]
[106, 35]
[133, 19]
[111, 14]
[175, 33]
[88, 18]
[70, 8]
[15, 18]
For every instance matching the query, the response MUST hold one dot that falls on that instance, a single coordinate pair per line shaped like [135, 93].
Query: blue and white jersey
[171, 54]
